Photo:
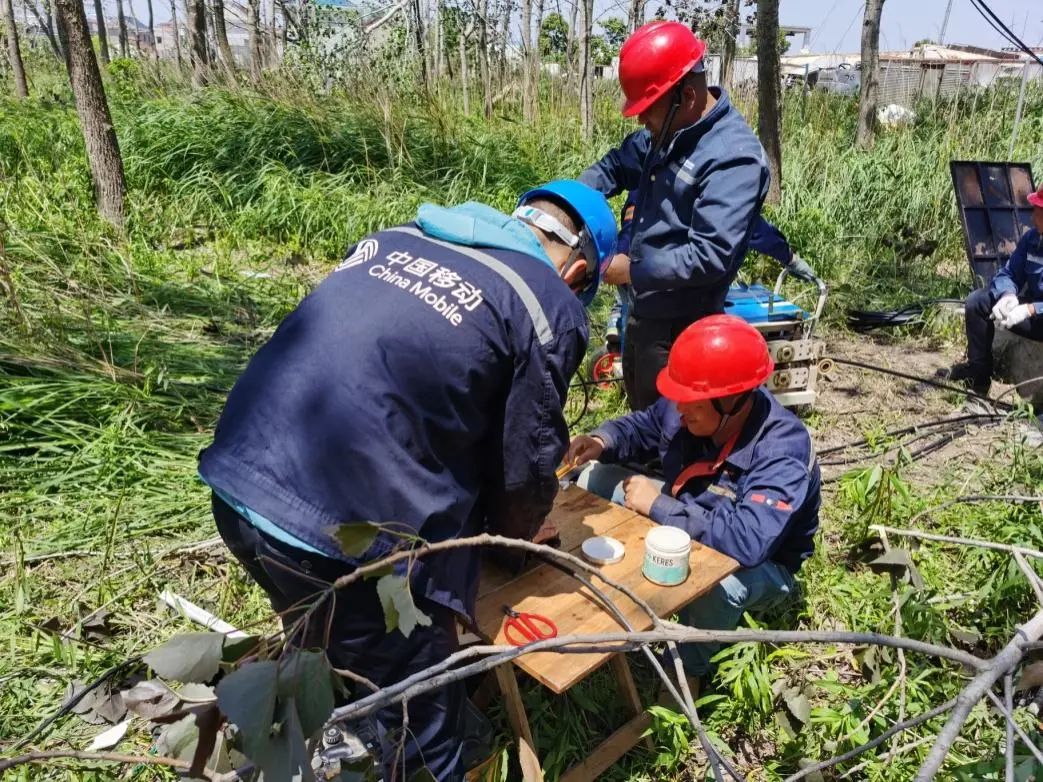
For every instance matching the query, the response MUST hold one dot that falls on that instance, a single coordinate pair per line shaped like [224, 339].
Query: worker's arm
[634, 437]
[768, 240]
[730, 200]
[626, 224]
[749, 529]
[1011, 276]
[620, 168]
[535, 436]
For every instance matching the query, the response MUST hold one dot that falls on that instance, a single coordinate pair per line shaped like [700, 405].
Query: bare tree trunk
[462, 37]
[103, 35]
[503, 39]
[483, 56]
[731, 32]
[870, 74]
[536, 59]
[586, 71]
[134, 17]
[122, 21]
[256, 52]
[46, 22]
[768, 91]
[418, 32]
[570, 40]
[528, 87]
[177, 33]
[200, 54]
[636, 14]
[271, 35]
[99, 135]
[217, 11]
[21, 88]
[437, 61]
[152, 30]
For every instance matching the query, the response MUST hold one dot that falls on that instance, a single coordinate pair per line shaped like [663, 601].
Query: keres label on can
[665, 570]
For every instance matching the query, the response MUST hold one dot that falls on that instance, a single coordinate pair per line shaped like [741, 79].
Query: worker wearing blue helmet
[420, 385]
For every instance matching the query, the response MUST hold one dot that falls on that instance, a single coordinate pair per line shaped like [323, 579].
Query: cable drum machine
[790, 333]
[788, 329]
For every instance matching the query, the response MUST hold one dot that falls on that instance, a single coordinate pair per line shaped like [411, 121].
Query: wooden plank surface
[547, 591]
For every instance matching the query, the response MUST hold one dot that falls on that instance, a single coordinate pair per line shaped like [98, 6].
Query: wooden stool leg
[621, 670]
[530, 764]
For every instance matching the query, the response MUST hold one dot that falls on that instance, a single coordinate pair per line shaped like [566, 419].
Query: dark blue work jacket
[766, 238]
[421, 384]
[699, 199]
[1023, 271]
[763, 503]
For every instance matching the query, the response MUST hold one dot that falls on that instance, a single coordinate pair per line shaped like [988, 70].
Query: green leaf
[797, 703]
[247, 698]
[150, 699]
[233, 649]
[354, 538]
[187, 657]
[179, 740]
[399, 609]
[285, 757]
[308, 678]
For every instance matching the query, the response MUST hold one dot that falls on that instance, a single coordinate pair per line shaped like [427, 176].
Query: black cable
[1009, 34]
[867, 320]
[945, 386]
[862, 443]
[993, 25]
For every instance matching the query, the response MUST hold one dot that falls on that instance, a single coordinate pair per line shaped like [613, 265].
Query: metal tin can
[666, 556]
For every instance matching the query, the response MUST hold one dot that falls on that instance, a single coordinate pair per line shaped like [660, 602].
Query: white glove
[1019, 314]
[1006, 303]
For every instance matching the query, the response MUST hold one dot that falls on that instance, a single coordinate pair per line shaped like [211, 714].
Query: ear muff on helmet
[596, 240]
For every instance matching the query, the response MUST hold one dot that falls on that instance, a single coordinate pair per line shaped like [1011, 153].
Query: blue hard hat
[599, 223]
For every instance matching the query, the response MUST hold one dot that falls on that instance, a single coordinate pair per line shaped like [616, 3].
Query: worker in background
[420, 385]
[766, 239]
[702, 175]
[740, 471]
[1013, 301]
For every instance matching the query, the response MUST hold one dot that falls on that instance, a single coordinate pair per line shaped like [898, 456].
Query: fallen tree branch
[968, 498]
[912, 533]
[439, 675]
[1030, 575]
[1003, 662]
[106, 757]
[897, 728]
[1013, 727]
[887, 756]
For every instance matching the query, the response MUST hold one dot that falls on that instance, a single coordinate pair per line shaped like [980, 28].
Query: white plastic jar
[666, 556]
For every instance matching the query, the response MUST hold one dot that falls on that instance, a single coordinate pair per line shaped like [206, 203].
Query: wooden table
[546, 590]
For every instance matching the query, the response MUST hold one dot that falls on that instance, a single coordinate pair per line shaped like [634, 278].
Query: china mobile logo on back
[364, 252]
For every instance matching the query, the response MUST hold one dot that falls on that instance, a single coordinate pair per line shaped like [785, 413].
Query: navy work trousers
[360, 643]
[981, 330]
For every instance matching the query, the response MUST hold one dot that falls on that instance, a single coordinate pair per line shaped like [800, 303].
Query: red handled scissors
[527, 628]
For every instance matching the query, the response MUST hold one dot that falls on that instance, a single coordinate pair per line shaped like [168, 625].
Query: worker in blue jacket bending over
[740, 471]
[1013, 301]
[702, 175]
[420, 385]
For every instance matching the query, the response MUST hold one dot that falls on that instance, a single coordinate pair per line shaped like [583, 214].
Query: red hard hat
[653, 60]
[717, 356]
[1036, 199]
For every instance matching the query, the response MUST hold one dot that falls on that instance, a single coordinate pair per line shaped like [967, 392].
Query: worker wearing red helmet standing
[740, 471]
[1013, 301]
[702, 175]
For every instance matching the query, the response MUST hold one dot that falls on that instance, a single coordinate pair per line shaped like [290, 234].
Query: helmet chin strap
[726, 415]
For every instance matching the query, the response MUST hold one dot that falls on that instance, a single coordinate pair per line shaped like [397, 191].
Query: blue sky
[837, 23]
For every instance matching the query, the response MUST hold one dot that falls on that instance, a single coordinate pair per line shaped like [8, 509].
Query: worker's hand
[1019, 314]
[618, 271]
[1006, 303]
[800, 269]
[583, 449]
[639, 493]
